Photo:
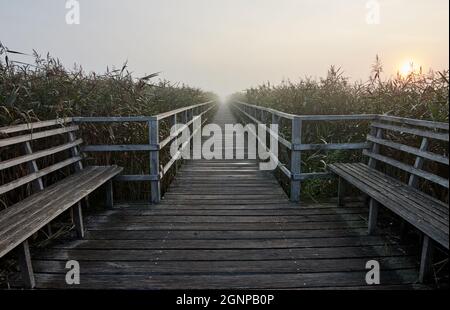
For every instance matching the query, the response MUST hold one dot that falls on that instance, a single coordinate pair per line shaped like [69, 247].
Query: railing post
[296, 133]
[153, 128]
[174, 124]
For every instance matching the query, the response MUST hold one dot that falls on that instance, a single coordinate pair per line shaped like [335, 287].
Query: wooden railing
[261, 115]
[185, 116]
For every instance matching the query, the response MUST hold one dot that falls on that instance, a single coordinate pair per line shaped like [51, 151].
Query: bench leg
[78, 220]
[109, 194]
[26, 268]
[426, 259]
[341, 192]
[373, 215]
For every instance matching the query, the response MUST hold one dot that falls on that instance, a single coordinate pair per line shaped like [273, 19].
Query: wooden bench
[427, 214]
[25, 217]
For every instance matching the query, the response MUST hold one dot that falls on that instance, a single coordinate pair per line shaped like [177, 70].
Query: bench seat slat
[39, 209]
[397, 191]
[423, 214]
[48, 193]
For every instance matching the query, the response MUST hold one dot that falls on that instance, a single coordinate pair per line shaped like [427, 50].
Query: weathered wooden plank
[402, 194]
[421, 173]
[26, 268]
[245, 196]
[226, 226]
[78, 220]
[153, 128]
[223, 235]
[413, 131]
[36, 175]
[399, 207]
[119, 148]
[226, 219]
[138, 178]
[373, 216]
[110, 119]
[222, 244]
[214, 254]
[36, 218]
[224, 267]
[36, 155]
[109, 194]
[411, 150]
[230, 212]
[414, 122]
[418, 163]
[36, 125]
[405, 192]
[164, 115]
[331, 146]
[426, 259]
[36, 135]
[259, 281]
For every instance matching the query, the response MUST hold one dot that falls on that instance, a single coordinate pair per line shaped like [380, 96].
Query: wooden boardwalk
[226, 224]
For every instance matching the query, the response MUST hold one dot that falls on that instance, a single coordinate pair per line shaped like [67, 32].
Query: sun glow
[408, 67]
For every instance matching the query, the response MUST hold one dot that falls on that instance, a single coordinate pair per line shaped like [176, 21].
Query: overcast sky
[229, 45]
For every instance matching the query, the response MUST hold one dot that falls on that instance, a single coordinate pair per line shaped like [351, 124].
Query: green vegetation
[418, 95]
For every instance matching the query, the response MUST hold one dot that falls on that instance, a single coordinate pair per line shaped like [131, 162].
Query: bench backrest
[392, 142]
[24, 146]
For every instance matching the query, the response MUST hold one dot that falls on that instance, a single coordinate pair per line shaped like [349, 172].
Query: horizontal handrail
[332, 117]
[175, 134]
[258, 115]
[164, 115]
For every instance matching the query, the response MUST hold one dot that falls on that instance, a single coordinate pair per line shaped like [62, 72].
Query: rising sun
[408, 67]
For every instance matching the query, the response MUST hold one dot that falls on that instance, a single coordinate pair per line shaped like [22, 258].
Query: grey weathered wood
[311, 175]
[36, 175]
[373, 216]
[33, 168]
[275, 112]
[20, 221]
[36, 135]
[109, 194]
[418, 164]
[414, 122]
[139, 178]
[413, 131]
[426, 259]
[78, 219]
[74, 151]
[420, 210]
[375, 149]
[36, 125]
[110, 119]
[355, 117]
[341, 192]
[119, 148]
[332, 146]
[420, 152]
[153, 128]
[296, 158]
[180, 110]
[421, 173]
[26, 268]
[36, 155]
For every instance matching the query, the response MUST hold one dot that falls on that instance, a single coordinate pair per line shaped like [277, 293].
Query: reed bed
[45, 89]
[418, 95]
